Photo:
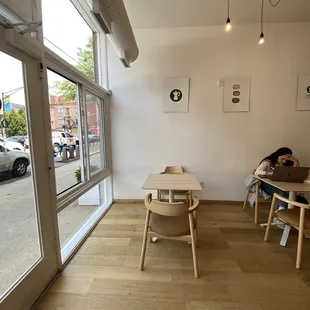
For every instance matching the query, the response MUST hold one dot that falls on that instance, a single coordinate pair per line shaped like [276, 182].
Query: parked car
[62, 138]
[19, 139]
[11, 145]
[93, 138]
[15, 162]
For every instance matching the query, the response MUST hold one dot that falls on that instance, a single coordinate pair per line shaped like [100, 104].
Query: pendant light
[261, 36]
[228, 24]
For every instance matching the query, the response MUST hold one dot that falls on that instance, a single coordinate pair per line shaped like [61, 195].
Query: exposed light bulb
[261, 38]
[228, 25]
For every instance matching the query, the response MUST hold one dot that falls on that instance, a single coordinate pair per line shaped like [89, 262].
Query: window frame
[60, 66]
[48, 59]
[102, 127]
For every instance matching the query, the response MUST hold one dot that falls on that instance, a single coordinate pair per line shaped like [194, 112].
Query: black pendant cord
[261, 17]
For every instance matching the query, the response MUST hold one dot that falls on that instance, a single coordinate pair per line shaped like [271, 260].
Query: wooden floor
[239, 271]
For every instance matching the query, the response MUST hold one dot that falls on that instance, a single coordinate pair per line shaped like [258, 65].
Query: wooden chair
[256, 206]
[298, 217]
[174, 170]
[176, 221]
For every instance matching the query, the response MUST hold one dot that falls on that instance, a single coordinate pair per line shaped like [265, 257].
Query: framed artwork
[176, 92]
[303, 93]
[237, 94]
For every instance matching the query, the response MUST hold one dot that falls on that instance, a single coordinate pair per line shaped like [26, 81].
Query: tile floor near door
[239, 271]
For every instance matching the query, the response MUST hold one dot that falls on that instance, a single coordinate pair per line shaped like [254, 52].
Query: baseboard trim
[221, 202]
[202, 201]
[128, 200]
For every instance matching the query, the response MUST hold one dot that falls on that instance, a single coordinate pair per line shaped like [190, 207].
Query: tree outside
[17, 122]
[85, 57]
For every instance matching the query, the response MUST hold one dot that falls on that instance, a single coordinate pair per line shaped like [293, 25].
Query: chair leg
[146, 227]
[270, 218]
[256, 203]
[246, 198]
[196, 238]
[191, 225]
[196, 229]
[300, 237]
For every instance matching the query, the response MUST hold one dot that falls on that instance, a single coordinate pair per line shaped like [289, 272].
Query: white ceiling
[190, 13]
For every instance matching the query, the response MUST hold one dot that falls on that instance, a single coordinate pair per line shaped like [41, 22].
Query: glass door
[28, 256]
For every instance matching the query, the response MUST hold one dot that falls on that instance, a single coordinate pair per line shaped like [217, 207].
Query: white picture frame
[176, 95]
[303, 92]
[236, 96]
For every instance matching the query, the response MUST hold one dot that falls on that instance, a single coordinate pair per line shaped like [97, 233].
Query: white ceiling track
[113, 19]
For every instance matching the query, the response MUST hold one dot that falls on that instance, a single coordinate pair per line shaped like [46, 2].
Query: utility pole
[5, 95]
[3, 110]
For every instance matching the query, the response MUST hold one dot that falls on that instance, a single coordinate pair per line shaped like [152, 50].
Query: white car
[11, 145]
[61, 137]
[15, 162]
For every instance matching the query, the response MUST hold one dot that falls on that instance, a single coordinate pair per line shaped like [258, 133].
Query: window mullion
[85, 134]
[79, 100]
[102, 133]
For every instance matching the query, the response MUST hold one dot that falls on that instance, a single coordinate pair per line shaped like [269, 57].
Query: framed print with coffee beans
[237, 94]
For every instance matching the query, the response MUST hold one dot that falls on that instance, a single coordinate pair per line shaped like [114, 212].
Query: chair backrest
[166, 208]
[174, 170]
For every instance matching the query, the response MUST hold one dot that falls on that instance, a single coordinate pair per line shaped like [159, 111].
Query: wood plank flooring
[239, 271]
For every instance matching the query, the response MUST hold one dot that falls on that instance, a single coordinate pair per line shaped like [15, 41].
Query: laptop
[290, 174]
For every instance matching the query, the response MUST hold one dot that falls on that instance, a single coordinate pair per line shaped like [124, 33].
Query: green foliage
[78, 172]
[17, 123]
[85, 58]
[65, 89]
[78, 175]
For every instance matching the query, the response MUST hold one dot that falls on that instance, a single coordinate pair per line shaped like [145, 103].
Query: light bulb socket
[261, 38]
[227, 20]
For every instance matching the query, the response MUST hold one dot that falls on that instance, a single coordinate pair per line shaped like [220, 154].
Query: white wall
[220, 148]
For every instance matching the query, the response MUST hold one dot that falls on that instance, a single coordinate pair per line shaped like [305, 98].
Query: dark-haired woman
[282, 157]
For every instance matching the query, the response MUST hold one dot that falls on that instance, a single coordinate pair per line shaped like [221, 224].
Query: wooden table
[287, 186]
[292, 188]
[172, 182]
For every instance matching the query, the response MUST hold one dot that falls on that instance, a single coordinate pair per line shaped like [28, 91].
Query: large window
[64, 131]
[78, 142]
[75, 218]
[20, 240]
[67, 34]
[77, 121]
[37, 187]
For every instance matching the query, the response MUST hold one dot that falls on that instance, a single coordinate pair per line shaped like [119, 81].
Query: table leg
[293, 197]
[285, 235]
[171, 196]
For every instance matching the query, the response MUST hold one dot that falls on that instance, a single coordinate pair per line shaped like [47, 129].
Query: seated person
[282, 157]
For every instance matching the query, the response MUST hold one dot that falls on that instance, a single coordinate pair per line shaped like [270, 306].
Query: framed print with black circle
[303, 93]
[176, 92]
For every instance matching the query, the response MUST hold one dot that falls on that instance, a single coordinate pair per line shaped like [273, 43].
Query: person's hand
[268, 174]
[293, 159]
